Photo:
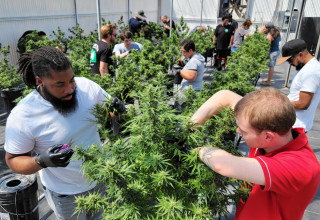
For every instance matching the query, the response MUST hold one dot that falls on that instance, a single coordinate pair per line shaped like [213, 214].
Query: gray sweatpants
[63, 206]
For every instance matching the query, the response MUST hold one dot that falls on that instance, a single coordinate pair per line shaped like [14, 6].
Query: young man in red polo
[282, 167]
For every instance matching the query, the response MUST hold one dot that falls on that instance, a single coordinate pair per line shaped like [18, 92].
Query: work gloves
[55, 156]
[118, 105]
[176, 71]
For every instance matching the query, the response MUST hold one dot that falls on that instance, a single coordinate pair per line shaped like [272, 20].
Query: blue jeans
[64, 206]
[234, 49]
[273, 58]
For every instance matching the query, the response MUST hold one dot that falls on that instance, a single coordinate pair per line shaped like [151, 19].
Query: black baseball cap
[292, 48]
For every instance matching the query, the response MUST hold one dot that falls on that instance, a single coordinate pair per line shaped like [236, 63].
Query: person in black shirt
[223, 38]
[100, 58]
[138, 23]
[166, 24]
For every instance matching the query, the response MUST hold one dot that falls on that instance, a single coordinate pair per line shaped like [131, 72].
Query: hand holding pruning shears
[55, 156]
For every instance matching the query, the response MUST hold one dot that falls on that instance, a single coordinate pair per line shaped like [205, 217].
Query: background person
[192, 72]
[123, 49]
[240, 33]
[199, 28]
[166, 24]
[282, 167]
[56, 112]
[233, 22]
[273, 35]
[100, 58]
[138, 23]
[305, 85]
[223, 38]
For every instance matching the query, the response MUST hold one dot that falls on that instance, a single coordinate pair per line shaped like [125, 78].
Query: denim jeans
[64, 206]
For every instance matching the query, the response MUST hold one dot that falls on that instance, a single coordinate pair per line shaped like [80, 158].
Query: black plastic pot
[9, 95]
[18, 197]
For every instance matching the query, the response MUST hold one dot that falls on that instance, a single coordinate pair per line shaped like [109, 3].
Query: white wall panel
[19, 8]
[191, 11]
[312, 8]
[262, 10]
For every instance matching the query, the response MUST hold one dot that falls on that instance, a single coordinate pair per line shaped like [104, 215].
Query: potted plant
[11, 84]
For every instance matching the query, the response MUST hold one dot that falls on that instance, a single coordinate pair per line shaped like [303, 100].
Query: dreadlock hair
[40, 62]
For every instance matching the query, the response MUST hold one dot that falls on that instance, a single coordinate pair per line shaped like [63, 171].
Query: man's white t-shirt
[34, 125]
[306, 80]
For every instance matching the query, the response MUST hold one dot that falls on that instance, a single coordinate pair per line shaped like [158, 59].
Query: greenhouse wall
[191, 10]
[43, 15]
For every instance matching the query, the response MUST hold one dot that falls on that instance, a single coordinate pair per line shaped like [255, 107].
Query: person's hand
[118, 105]
[55, 156]
[177, 77]
[180, 63]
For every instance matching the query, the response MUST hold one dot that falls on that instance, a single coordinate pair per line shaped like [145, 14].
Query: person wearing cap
[166, 24]
[138, 23]
[100, 58]
[305, 85]
[122, 50]
[273, 35]
[281, 166]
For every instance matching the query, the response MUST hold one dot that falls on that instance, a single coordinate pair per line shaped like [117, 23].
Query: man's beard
[299, 66]
[64, 107]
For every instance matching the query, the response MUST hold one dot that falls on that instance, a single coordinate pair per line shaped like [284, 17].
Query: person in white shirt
[56, 115]
[305, 86]
[122, 50]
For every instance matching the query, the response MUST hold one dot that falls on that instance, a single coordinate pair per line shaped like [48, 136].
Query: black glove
[118, 104]
[177, 77]
[55, 156]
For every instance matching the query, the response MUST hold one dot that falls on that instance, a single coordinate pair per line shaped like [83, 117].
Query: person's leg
[273, 59]
[218, 60]
[101, 188]
[64, 205]
[270, 74]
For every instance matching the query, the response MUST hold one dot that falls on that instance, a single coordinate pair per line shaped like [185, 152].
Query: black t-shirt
[223, 35]
[167, 31]
[100, 51]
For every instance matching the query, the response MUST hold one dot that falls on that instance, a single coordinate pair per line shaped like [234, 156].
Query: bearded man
[45, 125]
[305, 86]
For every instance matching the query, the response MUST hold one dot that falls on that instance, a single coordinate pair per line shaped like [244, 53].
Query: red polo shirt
[292, 175]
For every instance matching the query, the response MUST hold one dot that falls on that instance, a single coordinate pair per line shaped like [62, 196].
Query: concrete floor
[313, 210]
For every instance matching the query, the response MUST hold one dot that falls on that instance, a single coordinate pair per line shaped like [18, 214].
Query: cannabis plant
[152, 170]
[8, 73]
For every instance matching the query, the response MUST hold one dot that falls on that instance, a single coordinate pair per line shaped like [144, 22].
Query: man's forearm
[104, 72]
[214, 104]
[23, 164]
[224, 163]
[206, 155]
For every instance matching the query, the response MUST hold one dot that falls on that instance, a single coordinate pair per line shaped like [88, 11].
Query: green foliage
[80, 47]
[8, 73]
[33, 41]
[151, 169]
[203, 40]
[250, 59]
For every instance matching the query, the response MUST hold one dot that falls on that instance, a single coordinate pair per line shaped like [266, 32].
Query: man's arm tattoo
[206, 155]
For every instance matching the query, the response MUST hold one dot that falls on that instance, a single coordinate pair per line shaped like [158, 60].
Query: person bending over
[282, 167]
